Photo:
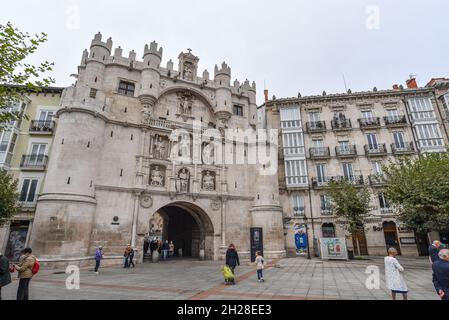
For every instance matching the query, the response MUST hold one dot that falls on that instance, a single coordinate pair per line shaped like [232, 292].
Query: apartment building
[351, 136]
[24, 152]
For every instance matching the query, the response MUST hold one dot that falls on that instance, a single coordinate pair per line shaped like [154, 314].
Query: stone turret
[223, 95]
[151, 74]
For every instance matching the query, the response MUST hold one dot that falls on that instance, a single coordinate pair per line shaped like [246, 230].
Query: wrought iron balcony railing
[319, 153]
[319, 182]
[405, 148]
[39, 126]
[341, 124]
[395, 121]
[34, 162]
[316, 126]
[346, 151]
[369, 123]
[375, 149]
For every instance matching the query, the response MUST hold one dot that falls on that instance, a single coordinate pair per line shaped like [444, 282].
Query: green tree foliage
[350, 205]
[8, 197]
[418, 189]
[17, 76]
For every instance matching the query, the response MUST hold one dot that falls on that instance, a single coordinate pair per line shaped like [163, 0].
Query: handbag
[12, 269]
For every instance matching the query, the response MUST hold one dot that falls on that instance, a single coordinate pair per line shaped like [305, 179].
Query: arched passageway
[188, 226]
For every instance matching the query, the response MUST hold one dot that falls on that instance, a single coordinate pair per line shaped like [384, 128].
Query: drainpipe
[311, 217]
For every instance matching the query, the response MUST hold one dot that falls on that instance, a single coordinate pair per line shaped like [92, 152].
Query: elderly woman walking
[393, 275]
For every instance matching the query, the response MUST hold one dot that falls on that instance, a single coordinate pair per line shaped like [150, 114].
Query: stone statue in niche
[185, 103]
[208, 181]
[156, 177]
[183, 181]
[160, 148]
[208, 154]
[188, 71]
[184, 147]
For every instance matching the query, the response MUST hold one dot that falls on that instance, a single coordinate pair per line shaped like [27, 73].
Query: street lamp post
[307, 234]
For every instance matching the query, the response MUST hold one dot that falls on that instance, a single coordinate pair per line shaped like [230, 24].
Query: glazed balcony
[346, 152]
[316, 126]
[320, 153]
[406, 148]
[369, 123]
[418, 116]
[34, 162]
[42, 127]
[376, 150]
[395, 121]
[341, 124]
[323, 182]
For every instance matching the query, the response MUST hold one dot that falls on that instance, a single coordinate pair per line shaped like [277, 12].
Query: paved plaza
[286, 279]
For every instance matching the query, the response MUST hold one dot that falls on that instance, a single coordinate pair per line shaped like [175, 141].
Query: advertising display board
[333, 249]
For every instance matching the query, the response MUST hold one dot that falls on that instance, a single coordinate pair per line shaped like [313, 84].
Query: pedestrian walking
[434, 249]
[260, 265]
[393, 275]
[131, 257]
[126, 256]
[165, 248]
[171, 249]
[98, 257]
[5, 275]
[441, 274]
[25, 273]
[232, 259]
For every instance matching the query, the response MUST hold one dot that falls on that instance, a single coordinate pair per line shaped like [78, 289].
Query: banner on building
[333, 249]
[300, 238]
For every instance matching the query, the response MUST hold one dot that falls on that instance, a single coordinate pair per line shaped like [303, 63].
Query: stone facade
[124, 130]
[350, 136]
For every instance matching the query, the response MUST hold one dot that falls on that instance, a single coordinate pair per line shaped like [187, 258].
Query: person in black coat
[441, 275]
[434, 249]
[232, 257]
[5, 275]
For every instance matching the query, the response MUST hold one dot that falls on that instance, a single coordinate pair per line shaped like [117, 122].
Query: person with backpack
[5, 275]
[27, 267]
[260, 264]
[98, 257]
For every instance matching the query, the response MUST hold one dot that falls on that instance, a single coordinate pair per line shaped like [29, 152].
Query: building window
[238, 110]
[325, 204]
[93, 93]
[384, 203]
[28, 192]
[290, 118]
[126, 88]
[293, 143]
[295, 172]
[328, 230]
[421, 108]
[298, 205]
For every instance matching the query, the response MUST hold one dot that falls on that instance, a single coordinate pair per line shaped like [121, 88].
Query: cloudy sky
[291, 46]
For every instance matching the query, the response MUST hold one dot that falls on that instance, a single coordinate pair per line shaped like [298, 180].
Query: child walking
[260, 262]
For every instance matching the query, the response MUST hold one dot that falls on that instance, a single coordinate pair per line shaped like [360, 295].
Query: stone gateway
[119, 157]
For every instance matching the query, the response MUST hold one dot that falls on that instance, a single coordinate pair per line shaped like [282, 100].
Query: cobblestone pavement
[286, 279]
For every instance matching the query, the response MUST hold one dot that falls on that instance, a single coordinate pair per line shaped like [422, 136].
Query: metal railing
[316, 126]
[406, 147]
[341, 124]
[376, 149]
[324, 181]
[369, 122]
[46, 126]
[34, 161]
[395, 120]
[320, 152]
[346, 151]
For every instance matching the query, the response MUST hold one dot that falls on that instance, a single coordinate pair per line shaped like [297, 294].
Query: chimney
[265, 92]
[395, 87]
[411, 83]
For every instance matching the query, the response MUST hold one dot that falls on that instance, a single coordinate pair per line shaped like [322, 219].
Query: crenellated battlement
[224, 70]
[153, 49]
[97, 42]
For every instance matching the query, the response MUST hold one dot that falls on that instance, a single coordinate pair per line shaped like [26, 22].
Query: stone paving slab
[295, 279]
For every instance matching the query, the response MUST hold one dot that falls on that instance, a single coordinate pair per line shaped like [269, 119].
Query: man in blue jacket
[98, 257]
[441, 274]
